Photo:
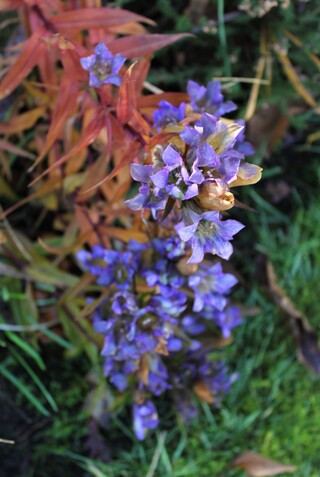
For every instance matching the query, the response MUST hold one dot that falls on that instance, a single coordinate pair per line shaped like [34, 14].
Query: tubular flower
[103, 66]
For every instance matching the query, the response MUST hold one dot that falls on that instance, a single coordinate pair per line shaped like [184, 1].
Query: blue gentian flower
[208, 99]
[103, 66]
[145, 417]
[207, 233]
[227, 319]
[210, 284]
[168, 114]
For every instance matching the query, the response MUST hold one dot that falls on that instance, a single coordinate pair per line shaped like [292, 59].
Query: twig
[242, 80]
[6, 441]
[152, 88]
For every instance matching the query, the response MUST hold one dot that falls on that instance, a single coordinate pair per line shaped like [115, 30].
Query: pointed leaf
[87, 18]
[28, 58]
[67, 100]
[90, 133]
[141, 45]
[128, 156]
[22, 121]
[127, 101]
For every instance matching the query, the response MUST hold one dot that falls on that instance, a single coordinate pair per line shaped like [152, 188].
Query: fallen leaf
[268, 125]
[308, 350]
[257, 466]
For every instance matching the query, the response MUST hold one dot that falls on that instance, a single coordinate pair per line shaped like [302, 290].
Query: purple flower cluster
[192, 175]
[154, 317]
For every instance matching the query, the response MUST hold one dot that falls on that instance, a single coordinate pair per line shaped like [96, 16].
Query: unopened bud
[215, 196]
[186, 268]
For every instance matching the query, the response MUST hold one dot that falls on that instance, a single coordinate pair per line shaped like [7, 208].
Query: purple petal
[103, 52]
[192, 191]
[141, 173]
[171, 158]
[94, 81]
[197, 251]
[214, 92]
[117, 62]
[186, 233]
[87, 62]
[160, 179]
[190, 136]
[207, 156]
[113, 79]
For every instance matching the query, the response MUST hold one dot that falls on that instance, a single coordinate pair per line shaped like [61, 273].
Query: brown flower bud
[185, 268]
[215, 196]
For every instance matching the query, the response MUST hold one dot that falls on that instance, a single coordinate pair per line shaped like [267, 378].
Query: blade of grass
[223, 38]
[35, 378]
[22, 387]
[23, 345]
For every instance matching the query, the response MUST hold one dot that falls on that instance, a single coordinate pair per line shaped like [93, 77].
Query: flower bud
[215, 196]
[186, 268]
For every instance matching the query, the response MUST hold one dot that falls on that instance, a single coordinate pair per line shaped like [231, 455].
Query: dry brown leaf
[203, 392]
[267, 125]
[308, 350]
[257, 466]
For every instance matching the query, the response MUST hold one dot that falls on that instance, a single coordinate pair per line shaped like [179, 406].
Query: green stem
[223, 38]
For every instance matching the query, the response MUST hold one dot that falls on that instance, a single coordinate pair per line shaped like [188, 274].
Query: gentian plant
[142, 268]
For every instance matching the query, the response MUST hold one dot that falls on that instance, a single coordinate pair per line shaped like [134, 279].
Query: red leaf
[70, 53]
[65, 105]
[90, 133]
[141, 45]
[141, 73]
[128, 156]
[33, 48]
[86, 18]
[127, 101]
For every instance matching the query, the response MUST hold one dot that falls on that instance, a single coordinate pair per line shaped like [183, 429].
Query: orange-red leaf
[22, 121]
[128, 156]
[142, 45]
[33, 48]
[86, 18]
[66, 103]
[127, 100]
[90, 133]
